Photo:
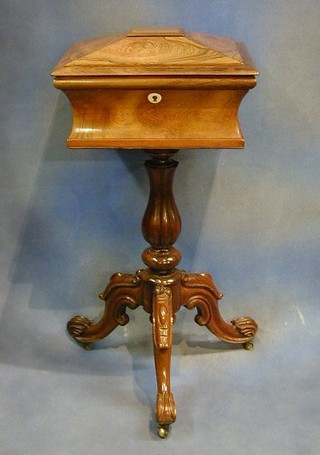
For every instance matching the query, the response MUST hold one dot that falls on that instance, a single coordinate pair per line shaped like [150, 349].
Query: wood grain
[183, 119]
[155, 52]
[200, 78]
[195, 112]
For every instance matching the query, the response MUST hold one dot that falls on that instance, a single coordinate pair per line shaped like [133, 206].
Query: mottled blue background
[69, 219]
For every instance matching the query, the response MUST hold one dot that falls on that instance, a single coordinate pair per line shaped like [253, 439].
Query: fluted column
[161, 223]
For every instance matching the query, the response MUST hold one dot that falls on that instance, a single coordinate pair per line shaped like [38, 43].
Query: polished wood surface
[156, 52]
[199, 82]
[184, 118]
[160, 90]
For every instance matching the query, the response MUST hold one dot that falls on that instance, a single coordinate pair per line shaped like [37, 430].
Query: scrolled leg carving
[78, 325]
[162, 321]
[246, 326]
[165, 408]
[198, 291]
[123, 291]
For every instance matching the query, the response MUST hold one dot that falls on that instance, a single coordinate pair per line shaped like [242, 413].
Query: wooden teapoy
[159, 90]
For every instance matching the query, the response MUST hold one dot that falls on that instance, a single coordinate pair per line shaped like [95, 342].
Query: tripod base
[162, 296]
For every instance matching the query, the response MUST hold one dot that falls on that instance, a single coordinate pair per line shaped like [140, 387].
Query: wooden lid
[156, 52]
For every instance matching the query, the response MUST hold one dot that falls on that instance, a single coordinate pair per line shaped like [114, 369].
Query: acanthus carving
[162, 317]
[123, 291]
[246, 326]
[78, 325]
[198, 291]
[165, 408]
[162, 321]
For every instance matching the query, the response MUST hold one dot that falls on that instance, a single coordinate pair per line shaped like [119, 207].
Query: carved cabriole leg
[162, 321]
[123, 291]
[198, 291]
[161, 227]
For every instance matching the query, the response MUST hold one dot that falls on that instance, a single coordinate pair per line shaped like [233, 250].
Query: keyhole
[154, 98]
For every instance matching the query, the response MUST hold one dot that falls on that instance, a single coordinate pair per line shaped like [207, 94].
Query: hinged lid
[156, 52]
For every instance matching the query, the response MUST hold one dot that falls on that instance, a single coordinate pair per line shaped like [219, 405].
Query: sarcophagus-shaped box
[156, 89]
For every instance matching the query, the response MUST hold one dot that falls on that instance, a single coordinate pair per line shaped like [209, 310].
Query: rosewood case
[197, 82]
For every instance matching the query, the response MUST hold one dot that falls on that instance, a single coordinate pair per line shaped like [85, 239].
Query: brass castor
[88, 346]
[248, 346]
[163, 431]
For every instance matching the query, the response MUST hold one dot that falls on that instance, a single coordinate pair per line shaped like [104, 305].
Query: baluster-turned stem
[161, 223]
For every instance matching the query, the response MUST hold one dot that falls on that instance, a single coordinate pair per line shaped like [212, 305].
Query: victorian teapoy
[160, 90]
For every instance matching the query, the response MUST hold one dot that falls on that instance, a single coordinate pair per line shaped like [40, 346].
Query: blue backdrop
[251, 218]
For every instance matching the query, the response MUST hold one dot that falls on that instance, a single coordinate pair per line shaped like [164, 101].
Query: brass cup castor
[248, 346]
[163, 431]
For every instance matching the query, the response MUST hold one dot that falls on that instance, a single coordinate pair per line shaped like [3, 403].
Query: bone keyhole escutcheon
[154, 98]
